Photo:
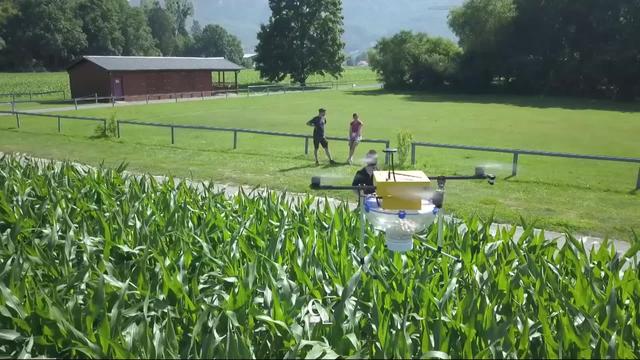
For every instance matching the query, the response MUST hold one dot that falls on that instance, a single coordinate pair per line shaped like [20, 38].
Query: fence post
[18, 120]
[514, 170]
[173, 137]
[413, 153]
[638, 181]
[267, 91]
[226, 94]
[202, 95]
[30, 96]
[113, 101]
[118, 128]
[104, 123]
[235, 140]
[59, 127]
[13, 106]
[176, 96]
[306, 145]
[147, 99]
[387, 144]
[96, 95]
[64, 95]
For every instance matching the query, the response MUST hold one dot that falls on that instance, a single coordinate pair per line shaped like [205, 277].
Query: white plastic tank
[399, 225]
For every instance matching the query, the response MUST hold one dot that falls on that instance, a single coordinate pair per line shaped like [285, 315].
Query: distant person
[355, 135]
[318, 123]
[364, 176]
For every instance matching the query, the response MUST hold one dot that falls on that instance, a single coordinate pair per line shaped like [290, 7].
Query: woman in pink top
[355, 135]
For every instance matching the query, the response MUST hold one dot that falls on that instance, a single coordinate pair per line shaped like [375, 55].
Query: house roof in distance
[149, 63]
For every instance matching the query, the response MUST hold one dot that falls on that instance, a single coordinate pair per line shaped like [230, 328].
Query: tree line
[588, 48]
[49, 34]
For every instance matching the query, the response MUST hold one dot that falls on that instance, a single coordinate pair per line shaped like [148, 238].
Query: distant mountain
[365, 21]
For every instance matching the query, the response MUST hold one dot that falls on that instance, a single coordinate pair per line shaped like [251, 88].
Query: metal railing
[151, 97]
[274, 88]
[235, 132]
[31, 94]
[58, 117]
[173, 128]
[517, 152]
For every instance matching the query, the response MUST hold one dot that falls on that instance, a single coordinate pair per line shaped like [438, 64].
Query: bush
[110, 131]
[405, 138]
[415, 61]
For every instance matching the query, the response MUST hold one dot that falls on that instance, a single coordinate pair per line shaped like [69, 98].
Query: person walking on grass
[318, 123]
[355, 135]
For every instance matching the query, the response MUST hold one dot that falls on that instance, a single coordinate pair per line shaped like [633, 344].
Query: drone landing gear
[438, 202]
[438, 250]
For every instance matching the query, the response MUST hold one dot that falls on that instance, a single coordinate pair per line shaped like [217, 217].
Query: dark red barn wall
[137, 84]
[87, 79]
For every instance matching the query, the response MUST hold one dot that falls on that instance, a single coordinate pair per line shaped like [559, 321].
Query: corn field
[33, 82]
[96, 263]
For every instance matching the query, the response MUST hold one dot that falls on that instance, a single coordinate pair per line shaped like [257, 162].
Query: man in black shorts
[318, 123]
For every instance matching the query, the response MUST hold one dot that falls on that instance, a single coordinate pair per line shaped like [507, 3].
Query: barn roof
[145, 63]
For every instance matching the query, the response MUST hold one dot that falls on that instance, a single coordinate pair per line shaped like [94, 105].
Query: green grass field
[578, 195]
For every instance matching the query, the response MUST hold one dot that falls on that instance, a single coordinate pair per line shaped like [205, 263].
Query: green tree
[215, 41]
[162, 28]
[101, 25]
[180, 11]
[138, 40]
[45, 33]
[561, 47]
[8, 9]
[479, 24]
[417, 61]
[196, 28]
[481, 27]
[391, 61]
[301, 38]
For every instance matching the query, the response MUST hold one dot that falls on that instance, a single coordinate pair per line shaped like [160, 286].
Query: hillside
[365, 20]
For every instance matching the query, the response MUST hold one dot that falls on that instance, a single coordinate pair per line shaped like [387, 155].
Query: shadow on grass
[568, 186]
[308, 166]
[532, 101]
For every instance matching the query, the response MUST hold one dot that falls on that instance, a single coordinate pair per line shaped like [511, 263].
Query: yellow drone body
[404, 191]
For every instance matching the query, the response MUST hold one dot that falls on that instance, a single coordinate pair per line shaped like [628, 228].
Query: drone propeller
[496, 166]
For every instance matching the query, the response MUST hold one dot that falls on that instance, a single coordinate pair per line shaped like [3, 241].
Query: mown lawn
[580, 195]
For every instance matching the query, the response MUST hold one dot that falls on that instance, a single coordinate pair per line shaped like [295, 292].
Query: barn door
[117, 87]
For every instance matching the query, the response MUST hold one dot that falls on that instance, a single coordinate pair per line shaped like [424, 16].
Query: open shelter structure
[134, 77]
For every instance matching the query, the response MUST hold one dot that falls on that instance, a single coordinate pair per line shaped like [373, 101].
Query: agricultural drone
[400, 204]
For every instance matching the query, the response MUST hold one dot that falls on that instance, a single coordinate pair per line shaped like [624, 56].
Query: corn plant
[95, 263]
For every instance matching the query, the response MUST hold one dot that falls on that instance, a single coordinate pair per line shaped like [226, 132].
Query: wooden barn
[135, 77]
